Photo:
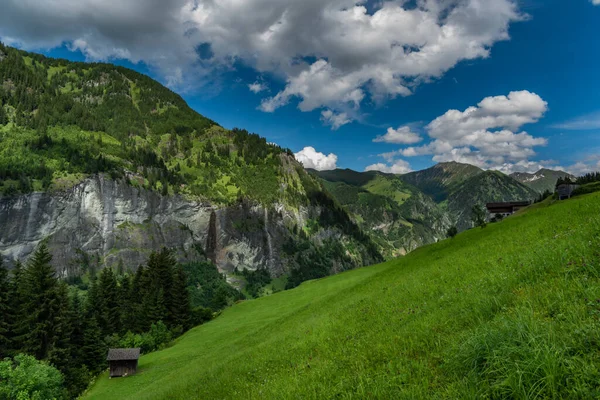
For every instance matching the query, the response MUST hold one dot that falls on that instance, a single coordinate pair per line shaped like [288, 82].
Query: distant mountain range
[541, 181]
[403, 212]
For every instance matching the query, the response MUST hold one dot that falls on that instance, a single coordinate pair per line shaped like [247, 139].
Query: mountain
[543, 180]
[486, 187]
[398, 216]
[508, 311]
[106, 165]
[441, 179]
[458, 187]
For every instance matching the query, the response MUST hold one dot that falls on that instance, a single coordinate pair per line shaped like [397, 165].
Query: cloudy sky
[391, 85]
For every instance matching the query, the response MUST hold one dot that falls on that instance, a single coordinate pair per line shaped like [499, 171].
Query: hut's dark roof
[508, 204]
[123, 354]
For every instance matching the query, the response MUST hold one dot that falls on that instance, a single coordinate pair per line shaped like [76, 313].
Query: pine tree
[127, 304]
[60, 353]
[15, 306]
[139, 295]
[40, 311]
[5, 312]
[94, 349]
[108, 297]
[180, 300]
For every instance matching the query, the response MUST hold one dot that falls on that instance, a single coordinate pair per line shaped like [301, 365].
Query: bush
[452, 231]
[156, 338]
[26, 378]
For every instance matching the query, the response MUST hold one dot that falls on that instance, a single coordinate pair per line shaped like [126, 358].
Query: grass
[508, 311]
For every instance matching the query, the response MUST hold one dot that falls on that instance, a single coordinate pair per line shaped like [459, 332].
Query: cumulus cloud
[257, 87]
[486, 135]
[402, 135]
[398, 167]
[596, 2]
[311, 158]
[331, 54]
[335, 120]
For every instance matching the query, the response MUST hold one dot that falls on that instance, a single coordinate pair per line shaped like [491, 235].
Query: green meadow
[508, 311]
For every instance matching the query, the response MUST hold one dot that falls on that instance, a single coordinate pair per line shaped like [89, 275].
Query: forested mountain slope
[107, 164]
[398, 216]
[507, 311]
[441, 179]
[486, 187]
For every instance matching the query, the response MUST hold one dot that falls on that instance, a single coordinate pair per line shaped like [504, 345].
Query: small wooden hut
[123, 362]
[565, 191]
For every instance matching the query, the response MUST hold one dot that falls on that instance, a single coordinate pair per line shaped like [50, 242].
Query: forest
[63, 333]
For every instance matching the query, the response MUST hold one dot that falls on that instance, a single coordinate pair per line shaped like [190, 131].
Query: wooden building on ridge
[507, 208]
[123, 362]
[565, 190]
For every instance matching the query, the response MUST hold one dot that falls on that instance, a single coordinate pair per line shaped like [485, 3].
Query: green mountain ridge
[110, 131]
[486, 187]
[441, 179]
[403, 212]
[397, 215]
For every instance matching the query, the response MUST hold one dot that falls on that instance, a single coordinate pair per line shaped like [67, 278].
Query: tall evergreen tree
[40, 313]
[5, 312]
[139, 295]
[180, 300]
[127, 304]
[94, 349]
[60, 353]
[15, 305]
[108, 297]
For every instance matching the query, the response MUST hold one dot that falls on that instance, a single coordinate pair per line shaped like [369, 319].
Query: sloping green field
[509, 311]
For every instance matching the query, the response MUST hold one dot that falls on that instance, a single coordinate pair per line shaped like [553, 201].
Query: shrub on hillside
[452, 231]
[26, 378]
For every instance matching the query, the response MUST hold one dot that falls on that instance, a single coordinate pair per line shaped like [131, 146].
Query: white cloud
[402, 135]
[257, 87]
[596, 2]
[584, 123]
[485, 135]
[335, 120]
[310, 158]
[331, 54]
[398, 167]
[509, 112]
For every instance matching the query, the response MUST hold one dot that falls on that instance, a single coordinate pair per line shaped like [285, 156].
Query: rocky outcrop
[105, 222]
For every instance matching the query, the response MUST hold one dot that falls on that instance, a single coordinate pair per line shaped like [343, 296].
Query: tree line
[42, 317]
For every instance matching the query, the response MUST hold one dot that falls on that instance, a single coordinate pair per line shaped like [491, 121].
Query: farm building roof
[123, 354]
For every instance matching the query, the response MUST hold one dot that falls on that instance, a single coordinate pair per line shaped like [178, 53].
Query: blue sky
[546, 52]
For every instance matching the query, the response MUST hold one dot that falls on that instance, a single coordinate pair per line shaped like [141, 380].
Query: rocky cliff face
[106, 222]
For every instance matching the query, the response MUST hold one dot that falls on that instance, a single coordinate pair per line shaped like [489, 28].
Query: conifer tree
[139, 295]
[15, 306]
[40, 312]
[60, 353]
[5, 312]
[93, 350]
[180, 300]
[108, 297]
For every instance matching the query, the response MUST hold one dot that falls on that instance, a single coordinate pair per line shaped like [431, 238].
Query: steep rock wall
[106, 222]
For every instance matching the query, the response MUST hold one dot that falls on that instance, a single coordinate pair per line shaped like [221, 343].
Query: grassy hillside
[397, 215]
[509, 311]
